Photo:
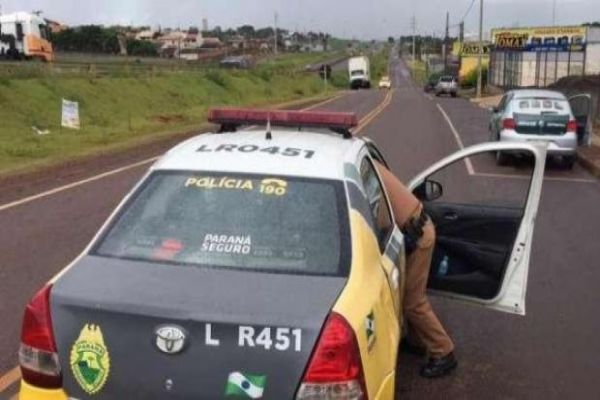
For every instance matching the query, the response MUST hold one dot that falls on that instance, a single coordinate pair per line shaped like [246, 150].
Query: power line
[468, 10]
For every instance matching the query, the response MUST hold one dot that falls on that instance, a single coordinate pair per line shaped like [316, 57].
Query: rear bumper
[360, 83]
[446, 89]
[563, 145]
[29, 392]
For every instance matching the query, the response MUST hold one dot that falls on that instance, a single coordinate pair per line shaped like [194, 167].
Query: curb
[589, 158]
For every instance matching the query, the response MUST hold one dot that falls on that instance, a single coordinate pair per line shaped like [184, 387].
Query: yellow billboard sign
[559, 38]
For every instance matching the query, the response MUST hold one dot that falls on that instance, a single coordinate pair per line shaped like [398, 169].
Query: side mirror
[429, 191]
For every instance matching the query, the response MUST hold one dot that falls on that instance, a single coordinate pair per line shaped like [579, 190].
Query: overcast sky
[363, 19]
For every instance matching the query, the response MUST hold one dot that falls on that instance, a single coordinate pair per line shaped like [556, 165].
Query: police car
[255, 264]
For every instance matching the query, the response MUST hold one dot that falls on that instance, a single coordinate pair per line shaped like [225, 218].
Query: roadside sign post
[70, 115]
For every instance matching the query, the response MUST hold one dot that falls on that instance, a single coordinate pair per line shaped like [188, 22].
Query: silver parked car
[447, 85]
[536, 116]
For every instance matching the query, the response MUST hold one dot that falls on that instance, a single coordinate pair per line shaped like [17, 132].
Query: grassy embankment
[418, 71]
[128, 109]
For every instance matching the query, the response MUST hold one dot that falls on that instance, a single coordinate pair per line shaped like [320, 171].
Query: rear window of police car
[263, 223]
[541, 115]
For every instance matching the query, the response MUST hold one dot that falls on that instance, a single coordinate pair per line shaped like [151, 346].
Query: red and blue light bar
[231, 118]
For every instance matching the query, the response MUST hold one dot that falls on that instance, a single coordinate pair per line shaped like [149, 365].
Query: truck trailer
[359, 71]
[24, 36]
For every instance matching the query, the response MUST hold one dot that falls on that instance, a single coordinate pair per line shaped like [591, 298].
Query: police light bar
[231, 118]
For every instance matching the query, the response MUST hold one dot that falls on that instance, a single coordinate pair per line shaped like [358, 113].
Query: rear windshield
[271, 224]
[357, 72]
[543, 104]
[447, 79]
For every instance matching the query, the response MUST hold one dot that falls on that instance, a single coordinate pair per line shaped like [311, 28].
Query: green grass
[418, 71]
[116, 111]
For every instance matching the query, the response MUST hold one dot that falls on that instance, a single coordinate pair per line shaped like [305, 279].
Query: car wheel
[502, 158]
[453, 94]
[569, 162]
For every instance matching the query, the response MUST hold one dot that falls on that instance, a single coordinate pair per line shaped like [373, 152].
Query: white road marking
[59, 189]
[459, 141]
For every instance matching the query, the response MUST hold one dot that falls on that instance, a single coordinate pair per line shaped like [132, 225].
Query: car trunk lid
[246, 329]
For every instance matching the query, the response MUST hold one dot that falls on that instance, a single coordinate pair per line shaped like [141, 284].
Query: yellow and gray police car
[263, 264]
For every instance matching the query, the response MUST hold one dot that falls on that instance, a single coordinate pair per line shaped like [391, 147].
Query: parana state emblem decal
[90, 361]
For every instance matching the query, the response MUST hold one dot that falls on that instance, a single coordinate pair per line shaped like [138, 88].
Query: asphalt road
[550, 353]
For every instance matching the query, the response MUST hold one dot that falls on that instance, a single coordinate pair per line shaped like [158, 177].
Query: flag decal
[245, 385]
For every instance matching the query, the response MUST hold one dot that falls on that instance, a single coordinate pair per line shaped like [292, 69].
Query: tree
[88, 38]
[391, 40]
[264, 33]
[141, 48]
[246, 31]
[595, 24]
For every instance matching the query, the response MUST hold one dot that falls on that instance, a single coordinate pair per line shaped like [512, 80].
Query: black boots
[438, 367]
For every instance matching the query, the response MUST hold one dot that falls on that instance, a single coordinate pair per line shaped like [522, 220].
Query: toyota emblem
[170, 339]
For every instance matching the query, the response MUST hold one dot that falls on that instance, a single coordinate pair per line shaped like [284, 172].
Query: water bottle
[443, 267]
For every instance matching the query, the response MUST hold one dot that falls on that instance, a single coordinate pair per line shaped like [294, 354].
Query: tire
[569, 162]
[453, 94]
[502, 159]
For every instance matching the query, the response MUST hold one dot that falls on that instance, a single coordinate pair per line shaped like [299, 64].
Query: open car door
[483, 246]
[581, 105]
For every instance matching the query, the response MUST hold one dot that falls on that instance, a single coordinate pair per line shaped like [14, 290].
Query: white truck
[359, 71]
[24, 36]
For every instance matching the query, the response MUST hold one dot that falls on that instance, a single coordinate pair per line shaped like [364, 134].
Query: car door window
[378, 204]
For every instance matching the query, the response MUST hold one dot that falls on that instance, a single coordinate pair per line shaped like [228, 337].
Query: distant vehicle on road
[447, 84]
[536, 116]
[24, 36]
[274, 254]
[237, 62]
[359, 71]
[385, 83]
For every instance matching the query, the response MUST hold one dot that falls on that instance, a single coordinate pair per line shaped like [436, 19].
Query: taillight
[37, 355]
[572, 126]
[335, 369]
[509, 123]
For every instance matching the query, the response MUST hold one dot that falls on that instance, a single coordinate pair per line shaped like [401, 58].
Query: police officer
[426, 335]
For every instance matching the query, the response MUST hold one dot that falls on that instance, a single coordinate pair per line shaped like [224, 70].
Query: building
[146, 35]
[538, 57]
[467, 54]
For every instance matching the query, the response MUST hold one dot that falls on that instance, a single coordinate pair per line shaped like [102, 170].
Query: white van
[359, 72]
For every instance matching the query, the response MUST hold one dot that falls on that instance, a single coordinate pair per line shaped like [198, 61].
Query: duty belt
[413, 231]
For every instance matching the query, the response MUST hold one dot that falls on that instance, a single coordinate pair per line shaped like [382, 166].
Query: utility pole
[480, 52]
[446, 40]
[461, 32]
[275, 35]
[413, 24]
